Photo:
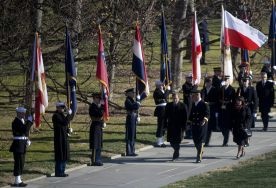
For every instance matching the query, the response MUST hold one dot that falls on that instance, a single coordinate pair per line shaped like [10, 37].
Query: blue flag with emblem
[70, 72]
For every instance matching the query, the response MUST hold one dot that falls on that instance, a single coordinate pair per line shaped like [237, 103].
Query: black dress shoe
[97, 164]
[61, 175]
[22, 184]
[224, 145]
[175, 155]
[198, 161]
[163, 145]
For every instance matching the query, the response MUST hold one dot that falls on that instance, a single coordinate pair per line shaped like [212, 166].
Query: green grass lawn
[253, 173]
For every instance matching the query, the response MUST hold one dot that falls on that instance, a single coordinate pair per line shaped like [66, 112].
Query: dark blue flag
[165, 69]
[70, 71]
[272, 36]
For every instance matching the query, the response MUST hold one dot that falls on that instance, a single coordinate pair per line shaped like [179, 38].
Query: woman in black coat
[241, 116]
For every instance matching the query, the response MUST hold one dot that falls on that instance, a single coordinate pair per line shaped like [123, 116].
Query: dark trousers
[225, 132]
[176, 148]
[60, 167]
[225, 124]
[265, 119]
[160, 132]
[199, 149]
[96, 155]
[19, 161]
[130, 147]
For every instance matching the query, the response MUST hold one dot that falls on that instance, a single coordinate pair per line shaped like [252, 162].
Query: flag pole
[273, 63]
[67, 77]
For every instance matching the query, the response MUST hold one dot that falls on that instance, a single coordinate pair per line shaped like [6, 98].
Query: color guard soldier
[217, 78]
[20, 131]
[176, 119]
[199, 118]
[61, 142]
[160, 98]
[250, 98]
[265, 93]
[209, 94]
[96, 112]
[227, 96]
[187, 87]
[131, 107]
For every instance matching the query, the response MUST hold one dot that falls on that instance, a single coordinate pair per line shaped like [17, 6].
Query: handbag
[248, 132]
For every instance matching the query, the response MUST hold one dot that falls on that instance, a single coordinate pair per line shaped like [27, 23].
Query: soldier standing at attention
[96, 112]
[61, 141]
[187, 87]
[227, 96]
[176, 119]
[199, 117]
[20, 131]
[160, 98]
[265, 92]
[131, 107]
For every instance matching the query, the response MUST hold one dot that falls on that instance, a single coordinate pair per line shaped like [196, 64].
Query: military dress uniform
[210, 96]
[187, 99]
[265, 93]
[96, 133]
[131, 107]
[61, 141]
[160, 99]
[199, 114]
[176, 119]
[20, 131]
[227, 96]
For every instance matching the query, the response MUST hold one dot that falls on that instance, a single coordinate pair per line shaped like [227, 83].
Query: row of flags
[234, 32]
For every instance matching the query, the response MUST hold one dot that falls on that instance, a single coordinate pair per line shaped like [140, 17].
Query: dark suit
[18, 147]
[176, 118]
[160, 99]
[61, 142]
[226, 99]
[199, 112]
[187, 99]
[216, 82]
[131, 121]
[251, 100]
[96, 133]
[211, 97]
[266, 100]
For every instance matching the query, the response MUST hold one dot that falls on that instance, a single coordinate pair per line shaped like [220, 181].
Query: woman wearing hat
[61, 143]
[20, 130]
[241, 116]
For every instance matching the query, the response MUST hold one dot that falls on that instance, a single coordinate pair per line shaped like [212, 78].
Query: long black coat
[20, 129]
[211, 98]
[240, 121]
[199, 112]
[131, 119]
[160, 97]
[61, 142]
[266, 96]
[96, 132]
[176, 118]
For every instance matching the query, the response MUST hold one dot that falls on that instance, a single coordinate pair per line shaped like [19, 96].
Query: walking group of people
[217, 107]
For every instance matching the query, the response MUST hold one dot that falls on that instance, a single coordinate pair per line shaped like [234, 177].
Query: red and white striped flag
[196, 52]
[41, 98]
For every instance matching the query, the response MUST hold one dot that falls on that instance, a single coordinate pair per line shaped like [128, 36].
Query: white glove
[255, 115]
[69, 111]
[274, 67]
[138, 97]
[222, 83]
[138, 119]
[169, 88]
[30, 118]
[28, 142]
[70, 130]
[104, 125]
[216, 114]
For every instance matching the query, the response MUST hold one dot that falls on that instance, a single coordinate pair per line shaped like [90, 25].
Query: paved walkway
[154, 167]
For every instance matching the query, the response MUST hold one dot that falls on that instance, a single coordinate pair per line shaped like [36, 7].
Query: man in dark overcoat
[209, 94]
[96, 112]
[199, 117]
[227, 96]
[131, 107]
[187, 87]
[176, 118]
[20, 131]
[250, 98]
[61, 141]
[160, 97]
[265, 93]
